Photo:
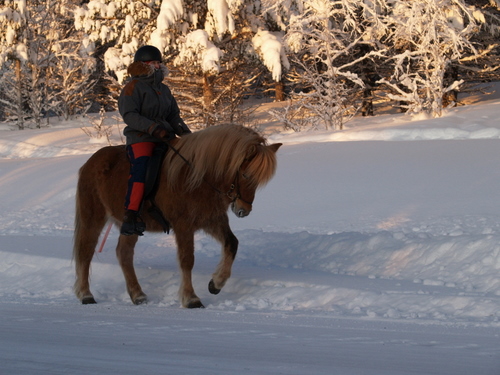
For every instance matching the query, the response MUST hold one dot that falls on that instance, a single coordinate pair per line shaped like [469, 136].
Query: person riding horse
[152, 116]
[227, 164]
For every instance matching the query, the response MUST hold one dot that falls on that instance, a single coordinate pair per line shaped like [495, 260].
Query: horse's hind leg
[90, 218]
[229, 242]
[125, 255]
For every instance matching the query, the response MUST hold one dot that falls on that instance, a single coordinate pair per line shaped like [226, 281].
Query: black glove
[163, 131]
[180, 128]
[184, 128]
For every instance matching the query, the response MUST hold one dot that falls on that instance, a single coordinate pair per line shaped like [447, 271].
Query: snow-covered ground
[374, 250]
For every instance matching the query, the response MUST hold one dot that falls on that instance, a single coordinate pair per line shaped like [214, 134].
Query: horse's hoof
[211, 287]
[88, 300]
[196, 304]
[141, 300]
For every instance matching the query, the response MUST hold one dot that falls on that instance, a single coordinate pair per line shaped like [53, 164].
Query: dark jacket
[146, 103]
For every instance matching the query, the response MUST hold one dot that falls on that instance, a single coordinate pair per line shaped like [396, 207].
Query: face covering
[158, 76]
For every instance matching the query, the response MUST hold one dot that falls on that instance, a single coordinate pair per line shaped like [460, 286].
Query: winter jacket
[146, 103]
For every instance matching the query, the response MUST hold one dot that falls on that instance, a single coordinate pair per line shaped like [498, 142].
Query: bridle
[234, 189]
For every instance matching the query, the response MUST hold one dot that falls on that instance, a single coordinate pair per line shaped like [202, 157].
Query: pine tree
[197, 37]
[13, 53]
[44, 53]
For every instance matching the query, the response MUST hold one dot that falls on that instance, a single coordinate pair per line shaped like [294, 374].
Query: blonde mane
[215, 155]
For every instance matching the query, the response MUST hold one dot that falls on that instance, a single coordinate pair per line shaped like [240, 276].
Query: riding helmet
[147, 53]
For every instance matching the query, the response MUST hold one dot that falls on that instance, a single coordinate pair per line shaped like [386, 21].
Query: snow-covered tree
[270, 47]
[485, 65]
[348, 42]
[353, 42]
[125, 26]
[72, 81]
[13, 52]
[197, 34]
[203, 56]
[330, 40]
[427, 37]
[44, 51]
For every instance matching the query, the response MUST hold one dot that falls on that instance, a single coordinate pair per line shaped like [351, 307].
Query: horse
[204, 174]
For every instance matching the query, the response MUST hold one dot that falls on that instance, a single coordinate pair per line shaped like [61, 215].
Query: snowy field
[373, 251]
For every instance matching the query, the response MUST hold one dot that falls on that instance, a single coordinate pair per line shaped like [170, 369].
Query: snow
[220, 19]
[374, 250]
[270, 46]
[170, 12]
[200, 49]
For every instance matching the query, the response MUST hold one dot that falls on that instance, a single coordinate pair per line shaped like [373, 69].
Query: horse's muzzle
[239, 210]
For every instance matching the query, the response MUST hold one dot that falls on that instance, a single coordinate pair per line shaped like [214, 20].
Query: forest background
[328, 59]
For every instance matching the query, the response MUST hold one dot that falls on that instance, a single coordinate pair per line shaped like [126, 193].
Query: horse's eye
[245, 176]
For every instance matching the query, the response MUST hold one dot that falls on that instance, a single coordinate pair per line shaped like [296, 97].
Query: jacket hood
[140, 68]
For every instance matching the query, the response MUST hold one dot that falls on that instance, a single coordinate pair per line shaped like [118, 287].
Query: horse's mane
[216, 153]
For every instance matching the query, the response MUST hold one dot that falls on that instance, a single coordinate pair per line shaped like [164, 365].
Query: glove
[185, 129]
[181, 128]
[163, 131]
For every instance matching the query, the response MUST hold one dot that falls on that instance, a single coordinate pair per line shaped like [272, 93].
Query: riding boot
[132, 224]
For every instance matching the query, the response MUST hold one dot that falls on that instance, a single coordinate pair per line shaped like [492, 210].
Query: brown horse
[213, 169]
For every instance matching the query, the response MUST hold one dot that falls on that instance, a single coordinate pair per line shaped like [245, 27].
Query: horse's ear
[275, 146]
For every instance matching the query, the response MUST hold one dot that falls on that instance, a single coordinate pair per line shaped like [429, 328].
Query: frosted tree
[203, 57]
[427, 37]
[13, 53]
[273, 19]
[270, 47]
[72, 70]
[125, 26]
[196, 34]
[122, 27]
[47, 37]
[485, 65]
[348, 40]
[326, 39]
[43, 52]
[72, 81]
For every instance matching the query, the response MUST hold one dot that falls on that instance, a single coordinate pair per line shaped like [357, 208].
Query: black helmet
[147, 53]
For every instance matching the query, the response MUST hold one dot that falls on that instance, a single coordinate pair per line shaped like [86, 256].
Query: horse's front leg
[125, 255]
[185, 254]
[229, 243]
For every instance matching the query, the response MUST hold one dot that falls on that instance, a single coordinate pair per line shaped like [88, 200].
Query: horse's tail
[77, 234]
[81, 277]
[90, 218]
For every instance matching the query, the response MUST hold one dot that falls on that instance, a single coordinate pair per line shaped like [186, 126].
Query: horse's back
[104, 159]
[104, 177]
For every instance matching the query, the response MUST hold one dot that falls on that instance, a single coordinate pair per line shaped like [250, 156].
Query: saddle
[151, 185]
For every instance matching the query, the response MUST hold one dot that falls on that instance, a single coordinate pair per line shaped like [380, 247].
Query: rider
[151, 115]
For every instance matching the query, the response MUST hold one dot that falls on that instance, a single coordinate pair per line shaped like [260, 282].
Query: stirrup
[131, 225]
[129, 229]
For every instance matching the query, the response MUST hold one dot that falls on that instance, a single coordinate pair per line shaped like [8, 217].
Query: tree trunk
[279, 89]
[208, 97]
[367, 105]
[450, 98]
[19, 104]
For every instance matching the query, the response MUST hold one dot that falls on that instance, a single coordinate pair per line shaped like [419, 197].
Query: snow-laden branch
[198, 49]
[270, 48]
[219, 18]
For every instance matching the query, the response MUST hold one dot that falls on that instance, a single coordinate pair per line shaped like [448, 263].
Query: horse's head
[256, 170]
[231, 160]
